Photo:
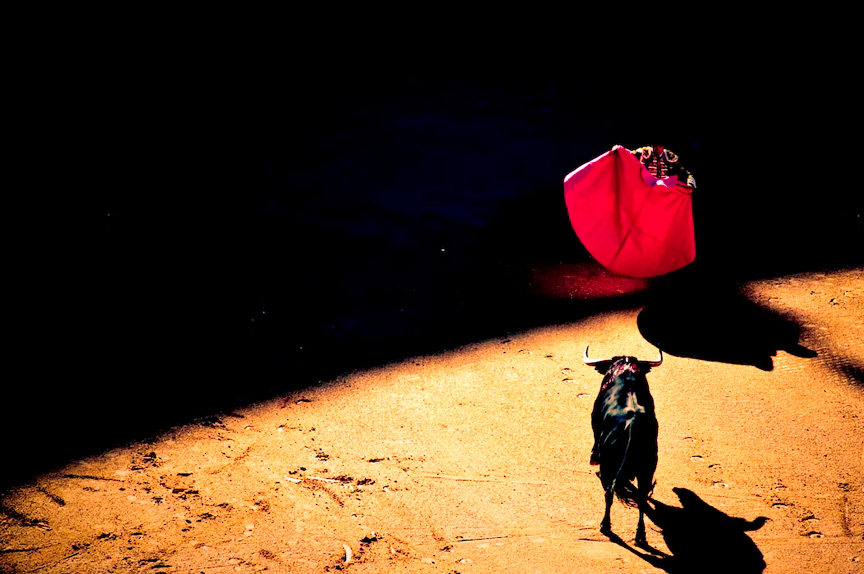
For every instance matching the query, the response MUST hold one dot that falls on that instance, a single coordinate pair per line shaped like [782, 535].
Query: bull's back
[626, 432]
[624, 399]
[632, 425]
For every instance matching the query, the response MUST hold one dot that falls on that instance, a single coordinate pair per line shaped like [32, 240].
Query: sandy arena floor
[476, 461]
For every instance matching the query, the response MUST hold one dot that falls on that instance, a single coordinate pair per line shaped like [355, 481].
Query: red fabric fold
[632, 223]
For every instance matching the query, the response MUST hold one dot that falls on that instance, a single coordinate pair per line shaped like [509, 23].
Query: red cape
[631, 222]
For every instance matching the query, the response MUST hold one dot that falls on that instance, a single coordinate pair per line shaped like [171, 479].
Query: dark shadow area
[853, 372]
[245, 231]
[701, 538]
[693, 314]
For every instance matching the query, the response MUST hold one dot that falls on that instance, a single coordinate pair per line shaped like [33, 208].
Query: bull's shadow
[701, 538]
[693, 314]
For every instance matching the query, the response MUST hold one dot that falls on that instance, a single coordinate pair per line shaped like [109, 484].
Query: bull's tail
[622, 482]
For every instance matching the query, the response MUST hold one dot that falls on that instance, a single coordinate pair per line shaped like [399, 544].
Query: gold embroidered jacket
[664, 164]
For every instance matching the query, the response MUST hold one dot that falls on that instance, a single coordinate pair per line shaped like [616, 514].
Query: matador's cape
[631, 222]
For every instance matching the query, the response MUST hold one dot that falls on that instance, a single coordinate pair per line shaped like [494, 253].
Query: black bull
[625, 434]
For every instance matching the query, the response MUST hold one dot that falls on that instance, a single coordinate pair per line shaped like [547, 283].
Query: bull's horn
[591, 361]
[659, 360]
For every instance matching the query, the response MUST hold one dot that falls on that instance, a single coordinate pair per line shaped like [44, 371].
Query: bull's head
[602, 365]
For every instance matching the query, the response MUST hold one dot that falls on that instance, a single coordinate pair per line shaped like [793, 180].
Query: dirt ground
[476, 461]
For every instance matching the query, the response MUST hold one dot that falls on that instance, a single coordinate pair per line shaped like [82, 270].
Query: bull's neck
[616, 370]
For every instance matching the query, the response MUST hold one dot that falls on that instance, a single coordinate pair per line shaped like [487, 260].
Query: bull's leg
[641, 539]
[606, 523]
[644, 489]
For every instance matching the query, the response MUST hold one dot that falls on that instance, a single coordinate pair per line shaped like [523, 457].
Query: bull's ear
[602, 366]
[644, 367]
[595, 362]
